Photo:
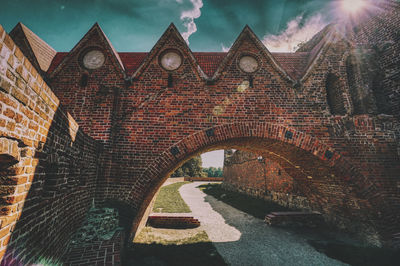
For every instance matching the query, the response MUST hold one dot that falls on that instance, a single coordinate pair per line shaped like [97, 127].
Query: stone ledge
[173, 222]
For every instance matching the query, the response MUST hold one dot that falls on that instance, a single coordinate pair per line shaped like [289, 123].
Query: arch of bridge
[307, 159]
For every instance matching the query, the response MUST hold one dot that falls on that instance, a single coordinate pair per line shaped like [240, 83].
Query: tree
[191, 168]
[213, 172]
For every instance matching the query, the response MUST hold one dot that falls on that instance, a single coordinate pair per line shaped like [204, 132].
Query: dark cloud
[136, 24]
[124, 8]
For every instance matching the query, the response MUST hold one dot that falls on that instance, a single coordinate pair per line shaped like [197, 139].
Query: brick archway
[304, 157]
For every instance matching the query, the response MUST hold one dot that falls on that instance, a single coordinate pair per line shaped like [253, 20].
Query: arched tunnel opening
[285, 174]
[325, 186]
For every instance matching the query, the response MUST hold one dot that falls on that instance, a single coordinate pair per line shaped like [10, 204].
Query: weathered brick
[9, 113]
[5, 85]
[27, 64]
[10, 60]
[18, 54]
[8, 42]
[10, 126]
[20, 70]
[20, 96]
[10, 75]
[6, 190]
[20, 84]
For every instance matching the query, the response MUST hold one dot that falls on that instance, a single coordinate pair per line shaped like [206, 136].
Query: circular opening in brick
[170, 59]
[92, 58]
[248, 63]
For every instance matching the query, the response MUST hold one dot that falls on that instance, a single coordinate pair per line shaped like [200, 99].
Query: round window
[248, 64]
[93, 59]
[171, 60]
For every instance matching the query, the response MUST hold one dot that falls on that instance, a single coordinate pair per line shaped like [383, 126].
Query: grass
[149, 236]
[150, 249]
[253, 206]
[170, 201]
[161, 247]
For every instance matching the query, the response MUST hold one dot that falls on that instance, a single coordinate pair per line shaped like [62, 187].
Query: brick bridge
[95, 124]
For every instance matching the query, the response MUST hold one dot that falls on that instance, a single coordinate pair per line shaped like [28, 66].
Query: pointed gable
[95, 36]
[317, 45]
[39, 53]
[248, 34]
[169, 37]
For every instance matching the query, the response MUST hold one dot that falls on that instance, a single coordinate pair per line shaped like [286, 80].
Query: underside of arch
[330, 181]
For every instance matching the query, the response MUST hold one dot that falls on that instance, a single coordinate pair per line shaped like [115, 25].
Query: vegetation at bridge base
[253, 206]
[169, 200]
[150, 249]
[198, 254]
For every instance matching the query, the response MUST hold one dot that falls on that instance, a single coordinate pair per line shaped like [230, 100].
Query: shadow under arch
[333, 184]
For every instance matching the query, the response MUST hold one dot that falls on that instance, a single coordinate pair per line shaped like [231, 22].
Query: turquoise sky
[135, 25]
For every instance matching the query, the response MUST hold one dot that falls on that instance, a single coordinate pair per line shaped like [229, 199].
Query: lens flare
[353, 6]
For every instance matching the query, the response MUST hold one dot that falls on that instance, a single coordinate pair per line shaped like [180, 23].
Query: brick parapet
[48, 165]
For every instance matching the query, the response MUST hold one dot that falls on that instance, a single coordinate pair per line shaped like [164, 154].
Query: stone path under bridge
[242, 239]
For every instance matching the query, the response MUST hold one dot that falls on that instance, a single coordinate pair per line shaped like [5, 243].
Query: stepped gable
[39, 53]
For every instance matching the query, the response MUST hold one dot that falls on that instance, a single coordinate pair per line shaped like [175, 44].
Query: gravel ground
[242, 239]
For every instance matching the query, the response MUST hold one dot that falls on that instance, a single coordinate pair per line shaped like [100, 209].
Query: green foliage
[169, 200]
[191, 168]
[149, 235]
[213, 171]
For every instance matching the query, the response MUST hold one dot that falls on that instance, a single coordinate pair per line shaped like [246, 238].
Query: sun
[353, 6]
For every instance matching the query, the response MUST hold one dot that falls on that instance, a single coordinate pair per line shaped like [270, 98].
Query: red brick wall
[99, 252]
[150, 129]
[245, 172]
[47, 165]
[91, 105]
[179, 116]
[265, 179]
[177, 222]
[152, 119]
[379, 38]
